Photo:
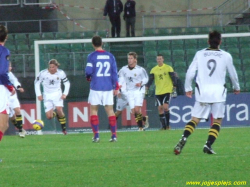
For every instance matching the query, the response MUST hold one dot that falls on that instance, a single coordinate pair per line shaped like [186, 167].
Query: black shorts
[161, 99]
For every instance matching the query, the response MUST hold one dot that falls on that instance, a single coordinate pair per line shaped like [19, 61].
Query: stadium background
[28, 21]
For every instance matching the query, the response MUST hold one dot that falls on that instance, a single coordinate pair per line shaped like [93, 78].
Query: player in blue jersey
[5, 85]
[101, 71]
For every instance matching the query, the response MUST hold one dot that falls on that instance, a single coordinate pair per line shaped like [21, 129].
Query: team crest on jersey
[165, 73]
[135, 74]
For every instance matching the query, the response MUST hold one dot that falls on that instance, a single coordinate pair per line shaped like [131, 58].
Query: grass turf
[137, 159]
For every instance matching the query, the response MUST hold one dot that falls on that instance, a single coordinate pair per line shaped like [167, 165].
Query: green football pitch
[137, 159]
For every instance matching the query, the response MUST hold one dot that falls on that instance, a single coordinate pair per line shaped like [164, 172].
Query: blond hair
[55, 62]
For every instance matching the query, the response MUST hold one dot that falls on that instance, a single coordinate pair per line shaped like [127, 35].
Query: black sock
[213, 134]
[189, 128]
[167, 116]
[19, 122]
[62, 121]
[163, 120]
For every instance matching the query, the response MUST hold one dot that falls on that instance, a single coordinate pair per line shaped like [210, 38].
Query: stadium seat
[163, 31]
[218, 28]
[190, 54]
[88, 47]
[180, 66]
[150, 60]
[11, 47]
[150, 54]
[149, 45]
[103, 34]
[240, 76]
[23, 49]
[203, 43]
[190, 31]
[62, 35]
[76, 47]
[177, 31]
[50, 48]
[243, 28]
[204, 30]
[177, 44]
[63, 47]
[77, 35]
[245, 53]
[21, 39]
[235, 52]
[48, 36]
[79, 61]
[245, 64]
[30, 63]
[244, 41]
[17, 63]
[149, 32]
[231, 42]
[166, 55]
[89, 34]
[178, 55]
[190, 44]
[247, 87]
[106, 46]
[237, 63]
[163, 45]
[32, 37]
[230, 29]
[150, 66]
[11, 39]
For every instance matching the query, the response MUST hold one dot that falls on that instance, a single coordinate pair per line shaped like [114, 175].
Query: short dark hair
[133, 54]
[214, 39]
[160, 55]
[97, 41]
[3, 33]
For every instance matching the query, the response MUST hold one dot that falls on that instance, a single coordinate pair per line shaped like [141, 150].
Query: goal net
[178, 52]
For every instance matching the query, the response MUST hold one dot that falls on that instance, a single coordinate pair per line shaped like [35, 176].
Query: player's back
[4, 64]
[101, 66]
[212, 66]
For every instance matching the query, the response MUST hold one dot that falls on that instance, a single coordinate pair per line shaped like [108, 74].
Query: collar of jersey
[100, 50]
[213, 49]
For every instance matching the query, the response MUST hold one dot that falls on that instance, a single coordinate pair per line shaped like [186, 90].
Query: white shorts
[121, 102]
[135, 98]
[203, 110]
[52, 100]
[101, 97]
[4, 99]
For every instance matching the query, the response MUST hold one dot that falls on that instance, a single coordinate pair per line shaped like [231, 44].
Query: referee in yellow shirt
[165, 84]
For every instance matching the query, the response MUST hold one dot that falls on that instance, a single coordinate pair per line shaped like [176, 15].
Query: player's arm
[144, 77]
[190, 75]
[89, 69]
[114, 76]
[233, 75]
[66, 83]
[37, 84]
[15, 82]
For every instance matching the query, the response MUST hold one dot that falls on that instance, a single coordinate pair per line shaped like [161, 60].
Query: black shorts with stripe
[161, 99]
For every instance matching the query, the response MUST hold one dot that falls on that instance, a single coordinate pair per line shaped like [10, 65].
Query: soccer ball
[38, 124]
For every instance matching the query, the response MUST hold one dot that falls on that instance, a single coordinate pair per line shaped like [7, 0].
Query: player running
[53, 96]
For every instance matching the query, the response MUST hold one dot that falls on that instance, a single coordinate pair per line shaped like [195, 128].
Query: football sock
[112, 123]
[213, 133]
[1, 135]
[138, 119]
[19, 122]
[95, 125]
[167, 116]
[189, 128]
[163, 120]
[62, 121]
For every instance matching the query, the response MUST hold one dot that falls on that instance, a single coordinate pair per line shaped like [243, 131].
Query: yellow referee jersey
[163, 81]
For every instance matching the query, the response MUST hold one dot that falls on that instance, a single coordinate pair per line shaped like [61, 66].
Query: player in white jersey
[135, 77]
[122, 101]
[53, 96]
[211, 65]
[15, 111]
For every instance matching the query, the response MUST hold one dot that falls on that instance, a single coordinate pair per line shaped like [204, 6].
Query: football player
[211, 65]
[135, 78]
[53, 96]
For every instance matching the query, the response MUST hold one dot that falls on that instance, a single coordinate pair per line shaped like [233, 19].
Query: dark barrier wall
[28, 13]
[78, 118]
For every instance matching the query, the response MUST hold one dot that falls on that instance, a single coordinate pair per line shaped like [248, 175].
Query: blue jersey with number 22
[101, 67]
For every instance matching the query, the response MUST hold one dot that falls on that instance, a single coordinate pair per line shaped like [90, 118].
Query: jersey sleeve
[4, 67]
[89, 67]
[66, 83]
[37, 83]
[144, 77]
[14, 80]
[114, 73]
[232, 73]
[191, 74]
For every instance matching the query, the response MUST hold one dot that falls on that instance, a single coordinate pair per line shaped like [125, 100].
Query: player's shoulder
[139, 67]
[44, 71]
[225, 53]
[60, 71]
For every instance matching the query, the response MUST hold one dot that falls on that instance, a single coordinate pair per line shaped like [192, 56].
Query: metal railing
[224, 10]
